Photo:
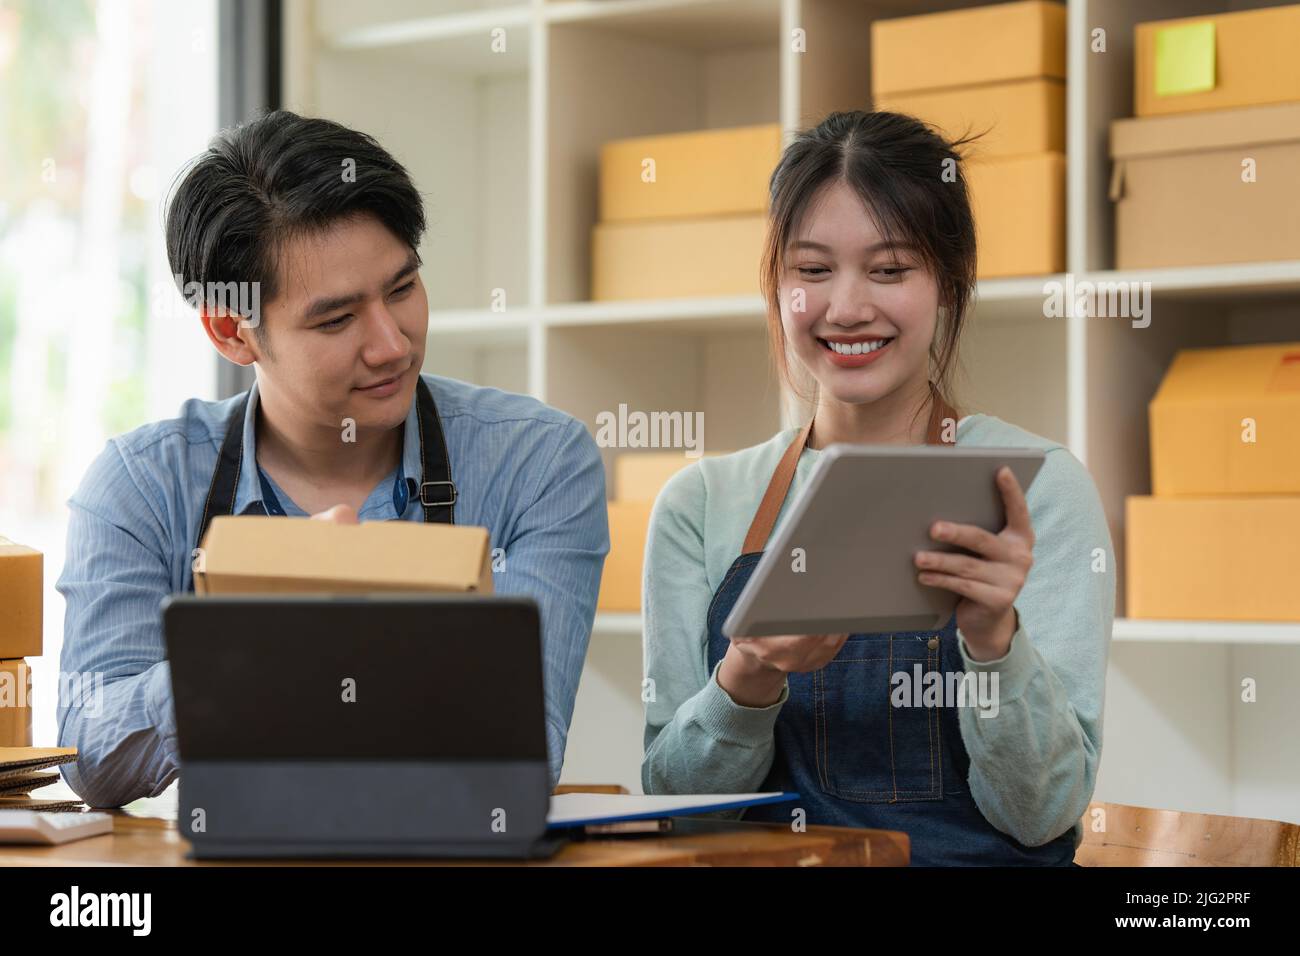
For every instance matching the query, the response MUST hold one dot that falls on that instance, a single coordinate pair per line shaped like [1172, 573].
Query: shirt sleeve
[115, 701]
[555, 556]
[697, 739]
[1033, 759]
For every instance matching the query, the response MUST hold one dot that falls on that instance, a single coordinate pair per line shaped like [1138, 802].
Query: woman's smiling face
[868, 312]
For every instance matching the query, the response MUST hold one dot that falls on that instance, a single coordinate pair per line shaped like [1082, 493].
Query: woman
[868, 271]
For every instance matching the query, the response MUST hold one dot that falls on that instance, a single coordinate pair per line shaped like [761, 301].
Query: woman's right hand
[754, 669]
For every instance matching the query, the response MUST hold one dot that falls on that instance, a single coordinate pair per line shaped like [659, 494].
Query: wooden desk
[152, 840]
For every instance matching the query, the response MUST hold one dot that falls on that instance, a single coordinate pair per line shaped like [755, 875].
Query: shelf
[617, 622]
[702, 314]
[1126, 629]
[448, 30]
[1213, 283]
[507, 152]
[700, 25]
[1207, 632]
[481, 326]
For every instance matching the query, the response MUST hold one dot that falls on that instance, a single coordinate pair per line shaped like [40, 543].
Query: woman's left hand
[988, 582]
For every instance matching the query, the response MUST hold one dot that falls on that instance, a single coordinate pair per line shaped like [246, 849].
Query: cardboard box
[1021, 116]
[1019, 207]
[1217, 62]
[1179, 193]
[640, 476]
[657, 259]
[992, 44]
[714, 172]
[620, 584]
[15, 704]
[1231, 559]
[21, 600]
[1199, 445]
[256, 554]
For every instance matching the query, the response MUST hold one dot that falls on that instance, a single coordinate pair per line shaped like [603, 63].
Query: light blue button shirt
[530, 474]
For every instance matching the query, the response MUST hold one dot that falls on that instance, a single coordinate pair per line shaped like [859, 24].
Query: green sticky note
[1185, 59]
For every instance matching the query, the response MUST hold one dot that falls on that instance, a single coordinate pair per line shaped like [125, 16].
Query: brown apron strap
[765, 518]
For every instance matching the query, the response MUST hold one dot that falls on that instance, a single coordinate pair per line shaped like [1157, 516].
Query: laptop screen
[356, 677]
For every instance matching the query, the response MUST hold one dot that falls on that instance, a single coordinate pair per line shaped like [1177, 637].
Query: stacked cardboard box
[21, 607]
[21, 596]
[1205, 172]
[1220, 537]
[683, 214]
[638, 479]
[998, 68]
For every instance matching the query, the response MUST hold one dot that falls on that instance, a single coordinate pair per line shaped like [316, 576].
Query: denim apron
[436, 489]
[854, 759]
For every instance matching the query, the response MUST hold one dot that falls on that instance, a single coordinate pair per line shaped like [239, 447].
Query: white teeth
[857, 348]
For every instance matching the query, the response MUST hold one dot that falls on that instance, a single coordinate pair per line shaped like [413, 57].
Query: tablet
[843, 560]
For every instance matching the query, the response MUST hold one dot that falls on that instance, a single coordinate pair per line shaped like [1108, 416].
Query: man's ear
[231, 334]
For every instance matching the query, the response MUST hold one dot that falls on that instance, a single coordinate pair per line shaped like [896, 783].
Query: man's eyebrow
[322, 306]
[874, 247]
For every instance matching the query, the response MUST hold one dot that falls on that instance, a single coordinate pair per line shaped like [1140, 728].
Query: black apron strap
[436, 489]
[225, 477]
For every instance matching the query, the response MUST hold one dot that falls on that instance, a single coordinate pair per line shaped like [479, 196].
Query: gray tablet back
[842, 558]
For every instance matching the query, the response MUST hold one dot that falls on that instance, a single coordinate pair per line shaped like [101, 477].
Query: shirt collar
[248, 492]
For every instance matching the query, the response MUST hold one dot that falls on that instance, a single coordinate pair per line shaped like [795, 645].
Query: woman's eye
[812, 270]
[894, 272]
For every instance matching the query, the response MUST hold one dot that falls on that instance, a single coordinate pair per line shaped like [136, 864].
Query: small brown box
[15, 703]
[21, 597]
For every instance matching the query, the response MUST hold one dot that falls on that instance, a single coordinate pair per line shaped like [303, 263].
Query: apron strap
[760, 529]
[437, 491]
[774, 497]
[225, 477]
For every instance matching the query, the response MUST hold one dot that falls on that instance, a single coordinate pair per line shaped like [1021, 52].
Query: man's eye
[402, 290]
[334, 323]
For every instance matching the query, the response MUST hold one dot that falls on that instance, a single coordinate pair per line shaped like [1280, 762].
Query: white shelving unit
[498, 109]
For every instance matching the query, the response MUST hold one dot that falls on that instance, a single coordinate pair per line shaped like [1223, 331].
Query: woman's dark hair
[911, 181]
[272, 179]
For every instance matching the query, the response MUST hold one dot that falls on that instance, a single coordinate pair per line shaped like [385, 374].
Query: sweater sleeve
[697, 739]
[1034, 757]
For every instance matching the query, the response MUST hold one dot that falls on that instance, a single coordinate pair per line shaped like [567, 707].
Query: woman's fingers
[965, 566]
[1017, 508]
[991, 596]
[794, 653]
[969, 536]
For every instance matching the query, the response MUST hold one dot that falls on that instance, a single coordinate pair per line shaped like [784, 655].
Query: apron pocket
[869, 750]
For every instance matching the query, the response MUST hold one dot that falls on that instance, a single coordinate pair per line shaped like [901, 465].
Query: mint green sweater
[1032, 766]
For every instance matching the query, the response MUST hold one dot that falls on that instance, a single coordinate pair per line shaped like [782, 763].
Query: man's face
[345, 334]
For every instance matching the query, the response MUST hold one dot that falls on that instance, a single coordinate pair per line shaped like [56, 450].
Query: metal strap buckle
[430, 504]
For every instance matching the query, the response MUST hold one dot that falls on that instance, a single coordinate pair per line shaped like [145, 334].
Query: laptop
[374, 726]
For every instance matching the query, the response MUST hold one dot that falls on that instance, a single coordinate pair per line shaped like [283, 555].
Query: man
[297, 240]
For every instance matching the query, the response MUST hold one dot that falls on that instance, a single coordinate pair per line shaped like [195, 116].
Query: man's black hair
[270, 180]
